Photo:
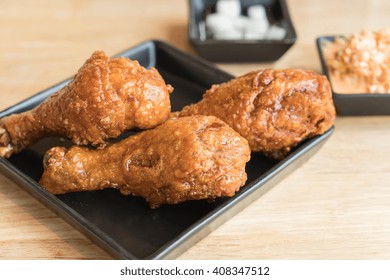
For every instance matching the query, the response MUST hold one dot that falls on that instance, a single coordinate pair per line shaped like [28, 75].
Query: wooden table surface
[336, 206]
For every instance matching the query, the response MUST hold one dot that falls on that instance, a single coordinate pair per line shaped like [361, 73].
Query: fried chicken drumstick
[273, 109]
[105, 98]
[189, 158]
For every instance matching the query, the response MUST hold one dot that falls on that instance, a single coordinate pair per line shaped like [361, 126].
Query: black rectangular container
[359, 104]
[125, 226]
[241, 50]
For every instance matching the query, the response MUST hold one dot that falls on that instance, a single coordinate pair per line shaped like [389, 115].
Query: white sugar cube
[254, 36]
[257, 12]
[276, 33]
[240, 23]
[218, 23]
[228, 23]
[259, 26]
[232, 34]
[230, 8]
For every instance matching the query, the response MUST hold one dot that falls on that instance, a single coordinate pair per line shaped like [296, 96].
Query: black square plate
[241, 50]
[125, 226]
[359, 104]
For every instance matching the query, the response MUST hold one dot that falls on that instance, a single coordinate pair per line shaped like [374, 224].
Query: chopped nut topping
[365, 56]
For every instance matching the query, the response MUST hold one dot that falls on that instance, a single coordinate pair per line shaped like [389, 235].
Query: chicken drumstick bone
[273, 109]
[189, 158]
[105, 98]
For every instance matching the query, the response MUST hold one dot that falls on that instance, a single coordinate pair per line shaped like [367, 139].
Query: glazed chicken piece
[105, 98]
[188, 158]
[273, 109]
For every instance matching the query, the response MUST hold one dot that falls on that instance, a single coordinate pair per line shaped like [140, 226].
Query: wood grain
[336, 206]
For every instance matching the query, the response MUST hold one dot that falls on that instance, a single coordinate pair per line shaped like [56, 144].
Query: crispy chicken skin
[105, 98]
[273, 109]
[188, 158]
